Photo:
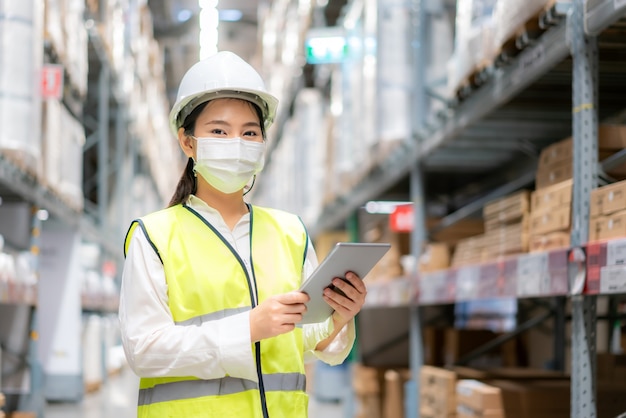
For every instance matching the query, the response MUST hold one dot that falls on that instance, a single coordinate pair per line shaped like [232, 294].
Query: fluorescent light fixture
[184, 15]
[383, 207]
[43, 215]
[231, 15]
[209, 20]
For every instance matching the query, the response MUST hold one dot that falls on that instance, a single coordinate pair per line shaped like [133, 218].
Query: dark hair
[187, 184]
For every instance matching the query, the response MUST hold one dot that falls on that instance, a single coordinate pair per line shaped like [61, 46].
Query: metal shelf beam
[602, 14]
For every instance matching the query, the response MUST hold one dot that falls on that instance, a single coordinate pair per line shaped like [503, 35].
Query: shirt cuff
[236, 347]
[339, 348]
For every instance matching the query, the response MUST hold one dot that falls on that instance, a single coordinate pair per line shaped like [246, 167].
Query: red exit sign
[52, 81]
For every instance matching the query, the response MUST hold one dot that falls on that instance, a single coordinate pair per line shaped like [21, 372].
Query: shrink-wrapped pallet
[510, 16]
[473, 47]
[20, 65]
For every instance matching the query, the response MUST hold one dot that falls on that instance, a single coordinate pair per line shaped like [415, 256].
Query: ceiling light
[230, 15]
[184, 15]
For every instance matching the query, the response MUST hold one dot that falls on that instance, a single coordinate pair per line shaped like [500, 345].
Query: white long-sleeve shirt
[156, 347]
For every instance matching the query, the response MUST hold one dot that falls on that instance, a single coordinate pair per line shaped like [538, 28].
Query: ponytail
[186, 185]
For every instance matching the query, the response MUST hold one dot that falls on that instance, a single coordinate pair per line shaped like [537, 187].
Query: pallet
[477, 77]
[526, 34]
[22, 160]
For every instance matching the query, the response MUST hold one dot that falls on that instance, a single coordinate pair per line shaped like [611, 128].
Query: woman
[209, 306]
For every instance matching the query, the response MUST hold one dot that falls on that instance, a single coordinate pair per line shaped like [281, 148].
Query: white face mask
[229, 164]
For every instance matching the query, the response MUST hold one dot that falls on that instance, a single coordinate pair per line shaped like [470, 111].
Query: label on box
[616, 252]
[613, 279]
[432, 287]
[467, 283]
[533, 277]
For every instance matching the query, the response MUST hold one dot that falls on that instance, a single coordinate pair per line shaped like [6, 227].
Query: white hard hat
[222, 75]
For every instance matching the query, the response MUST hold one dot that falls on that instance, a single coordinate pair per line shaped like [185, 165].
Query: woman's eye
[218, 132]
[251, 133]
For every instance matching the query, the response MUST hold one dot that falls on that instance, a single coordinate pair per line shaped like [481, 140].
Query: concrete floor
[117, 399]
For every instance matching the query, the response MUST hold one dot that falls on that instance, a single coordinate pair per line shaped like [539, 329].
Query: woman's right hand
[277, 315]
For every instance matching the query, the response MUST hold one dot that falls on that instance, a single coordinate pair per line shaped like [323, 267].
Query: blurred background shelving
[483, 138]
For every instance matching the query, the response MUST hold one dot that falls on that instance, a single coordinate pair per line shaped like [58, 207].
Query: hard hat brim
[266, 102]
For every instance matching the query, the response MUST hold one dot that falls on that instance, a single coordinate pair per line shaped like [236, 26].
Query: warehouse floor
[117, 398]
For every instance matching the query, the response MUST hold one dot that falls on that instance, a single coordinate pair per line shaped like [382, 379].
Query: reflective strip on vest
[213, 316]
[188, 389]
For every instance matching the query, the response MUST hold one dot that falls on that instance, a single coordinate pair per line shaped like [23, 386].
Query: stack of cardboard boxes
[551, 201]
[517, 393]
[379, 392]
[476, 399]
[550, 217]
[607, 212]
[437, 393]
[506, 225]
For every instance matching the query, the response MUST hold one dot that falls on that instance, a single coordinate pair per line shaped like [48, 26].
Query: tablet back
[359, 258]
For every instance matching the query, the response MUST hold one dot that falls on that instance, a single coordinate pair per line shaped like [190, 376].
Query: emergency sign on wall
[52, 81]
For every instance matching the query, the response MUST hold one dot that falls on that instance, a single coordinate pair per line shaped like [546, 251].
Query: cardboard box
[555, 153]
[464, 412]
[367, 406]
[393, 403]
[553, 174]
[470, 251]
[609, 227]
[544, 222]
[508, 208]
[436, 256]
[366, 380]
[611, 137]
[437, 392]
[611, 367]
[611, 401]
[608, 199]
[551, 241]
[454, 233]
[509, 239]
[595, 224]
[535, 398]
[478, 396]
[551, 197]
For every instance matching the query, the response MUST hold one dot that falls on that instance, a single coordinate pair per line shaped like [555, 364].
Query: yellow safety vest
[207, 280]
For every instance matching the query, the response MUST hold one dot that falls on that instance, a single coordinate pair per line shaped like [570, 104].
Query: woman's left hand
[346, 307]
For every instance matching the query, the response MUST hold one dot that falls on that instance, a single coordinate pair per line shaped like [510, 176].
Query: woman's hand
[346, 307]
[277, 315]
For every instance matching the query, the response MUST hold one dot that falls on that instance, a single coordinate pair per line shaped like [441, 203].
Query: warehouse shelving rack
[106, 109]
[547, 92]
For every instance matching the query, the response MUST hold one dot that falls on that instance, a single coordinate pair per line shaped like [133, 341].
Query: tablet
[357, 257]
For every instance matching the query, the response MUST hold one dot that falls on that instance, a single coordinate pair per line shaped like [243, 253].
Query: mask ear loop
[251, 186]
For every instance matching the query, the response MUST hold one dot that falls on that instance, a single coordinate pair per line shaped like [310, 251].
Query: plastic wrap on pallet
[53, 26]
[76, 61]
[394, 66]
[20, 65]
[511, 15]
[473, 45]
[63, 140]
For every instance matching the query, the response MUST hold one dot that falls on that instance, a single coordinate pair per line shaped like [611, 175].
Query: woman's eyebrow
[217, 122]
